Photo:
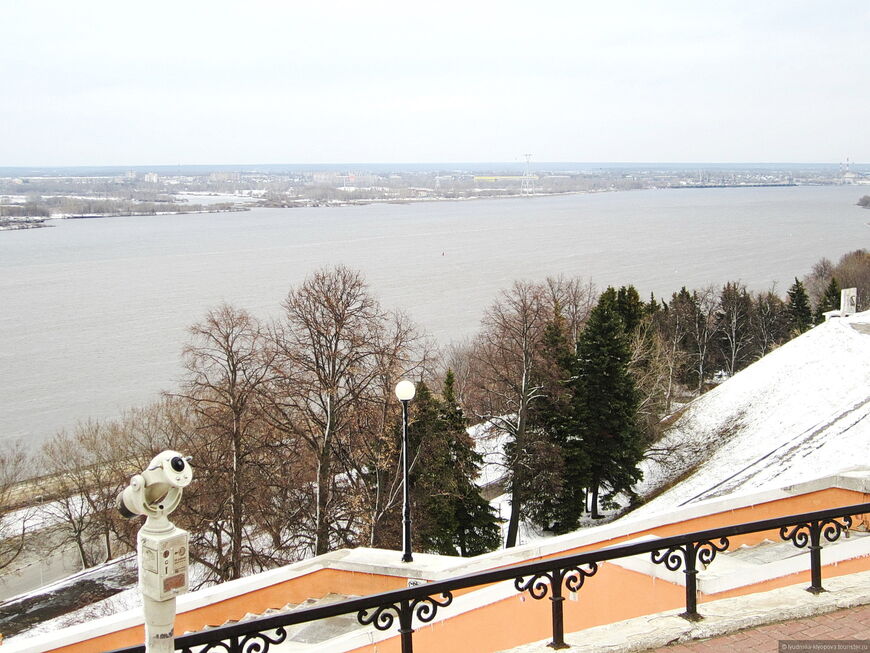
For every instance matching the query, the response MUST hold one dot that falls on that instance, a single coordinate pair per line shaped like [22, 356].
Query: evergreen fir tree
[630, 307]
[800, 314]
[476, 529]
[654, 306]
[450, 515]
[607, 404]
[829, 301]
[554, 495]
[429, 459]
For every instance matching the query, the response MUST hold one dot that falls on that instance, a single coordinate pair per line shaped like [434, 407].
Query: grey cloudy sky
[119, 83]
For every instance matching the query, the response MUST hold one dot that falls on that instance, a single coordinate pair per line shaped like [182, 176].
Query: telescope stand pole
[163, 567]
[159, 625]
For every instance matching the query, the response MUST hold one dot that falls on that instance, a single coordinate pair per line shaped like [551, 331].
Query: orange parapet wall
[316, 584]
[614, 594]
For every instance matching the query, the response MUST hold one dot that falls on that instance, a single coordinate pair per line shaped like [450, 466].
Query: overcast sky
[120, 83]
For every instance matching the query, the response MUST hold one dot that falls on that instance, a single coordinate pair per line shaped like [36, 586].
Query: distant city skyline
[259, 83]
[466, 167]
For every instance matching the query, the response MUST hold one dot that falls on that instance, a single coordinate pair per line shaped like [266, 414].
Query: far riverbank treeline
[295, 432]
[41, 207]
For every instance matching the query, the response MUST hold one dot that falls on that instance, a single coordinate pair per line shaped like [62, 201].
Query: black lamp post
[405, 391]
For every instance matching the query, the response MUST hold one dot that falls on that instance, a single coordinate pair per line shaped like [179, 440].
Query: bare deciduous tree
[13, 523]
[651, 367]
[734, 327]
[675, 323]
[371, 461]
[85, 472]
[574, 298]
[505, 358]
[702, 332]
[326, 355]
[233, 447]
[769, 322]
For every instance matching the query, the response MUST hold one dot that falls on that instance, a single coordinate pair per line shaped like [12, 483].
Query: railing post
[815, 559]
[424, 607]
[687, 556]
[537, 587]
[691, 572]
[405, 630]
[809, 535]
[558, 616]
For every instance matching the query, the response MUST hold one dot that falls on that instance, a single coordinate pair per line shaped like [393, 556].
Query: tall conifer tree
[451, 515]
[829, 301]
[630, 307]
[557, 474]
[607, 403]
[800, 314]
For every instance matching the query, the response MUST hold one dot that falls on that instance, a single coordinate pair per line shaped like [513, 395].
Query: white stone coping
[853, 478]
[363, 560]
[727, 573]
[435, 567]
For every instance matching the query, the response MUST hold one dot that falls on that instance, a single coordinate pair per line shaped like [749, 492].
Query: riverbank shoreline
[97, 216]
[291, 203]
[17, 224]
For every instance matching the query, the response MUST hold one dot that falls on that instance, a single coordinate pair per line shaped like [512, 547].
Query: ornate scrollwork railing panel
[382, 617]
[538, 585]
[424, 608]
[250, 643]
[540, 578]
[687, 556]
[575, 576]
[809, 535]
[707, 550]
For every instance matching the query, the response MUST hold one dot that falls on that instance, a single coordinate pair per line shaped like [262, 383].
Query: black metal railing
[537, 578]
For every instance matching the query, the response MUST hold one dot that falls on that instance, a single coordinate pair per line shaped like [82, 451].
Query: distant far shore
[16, 224]
[19, 223]
[91, 216]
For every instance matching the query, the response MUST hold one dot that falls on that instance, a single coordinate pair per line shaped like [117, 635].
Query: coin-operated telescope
[162, 547]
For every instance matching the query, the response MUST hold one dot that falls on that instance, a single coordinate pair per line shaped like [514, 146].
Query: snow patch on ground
[489, 442]
[798, 413]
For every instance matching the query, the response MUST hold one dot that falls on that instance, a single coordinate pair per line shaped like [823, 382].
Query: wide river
[93, 313]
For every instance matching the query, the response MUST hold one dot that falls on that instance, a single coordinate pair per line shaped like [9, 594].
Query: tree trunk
[516, 482]
[107, 534]
[514, 522]
[594, 506]
[321, 526]
[83, 556]
[236, 518]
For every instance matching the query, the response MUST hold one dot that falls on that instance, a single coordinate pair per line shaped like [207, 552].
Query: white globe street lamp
[405, 391]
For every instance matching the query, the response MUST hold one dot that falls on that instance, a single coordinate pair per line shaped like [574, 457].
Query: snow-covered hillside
[798, 413]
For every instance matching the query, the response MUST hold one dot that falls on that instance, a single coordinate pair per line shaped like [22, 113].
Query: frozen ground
[60, 604]
[798, 413]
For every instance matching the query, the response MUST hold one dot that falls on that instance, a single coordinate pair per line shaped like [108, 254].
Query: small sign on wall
[848, 301]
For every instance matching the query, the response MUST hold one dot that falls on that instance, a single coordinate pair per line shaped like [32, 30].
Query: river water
[93, 313]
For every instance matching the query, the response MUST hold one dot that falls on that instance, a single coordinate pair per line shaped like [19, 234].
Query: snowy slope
[796, 414]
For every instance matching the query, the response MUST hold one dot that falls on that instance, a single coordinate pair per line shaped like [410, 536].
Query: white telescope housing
[162, 547]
